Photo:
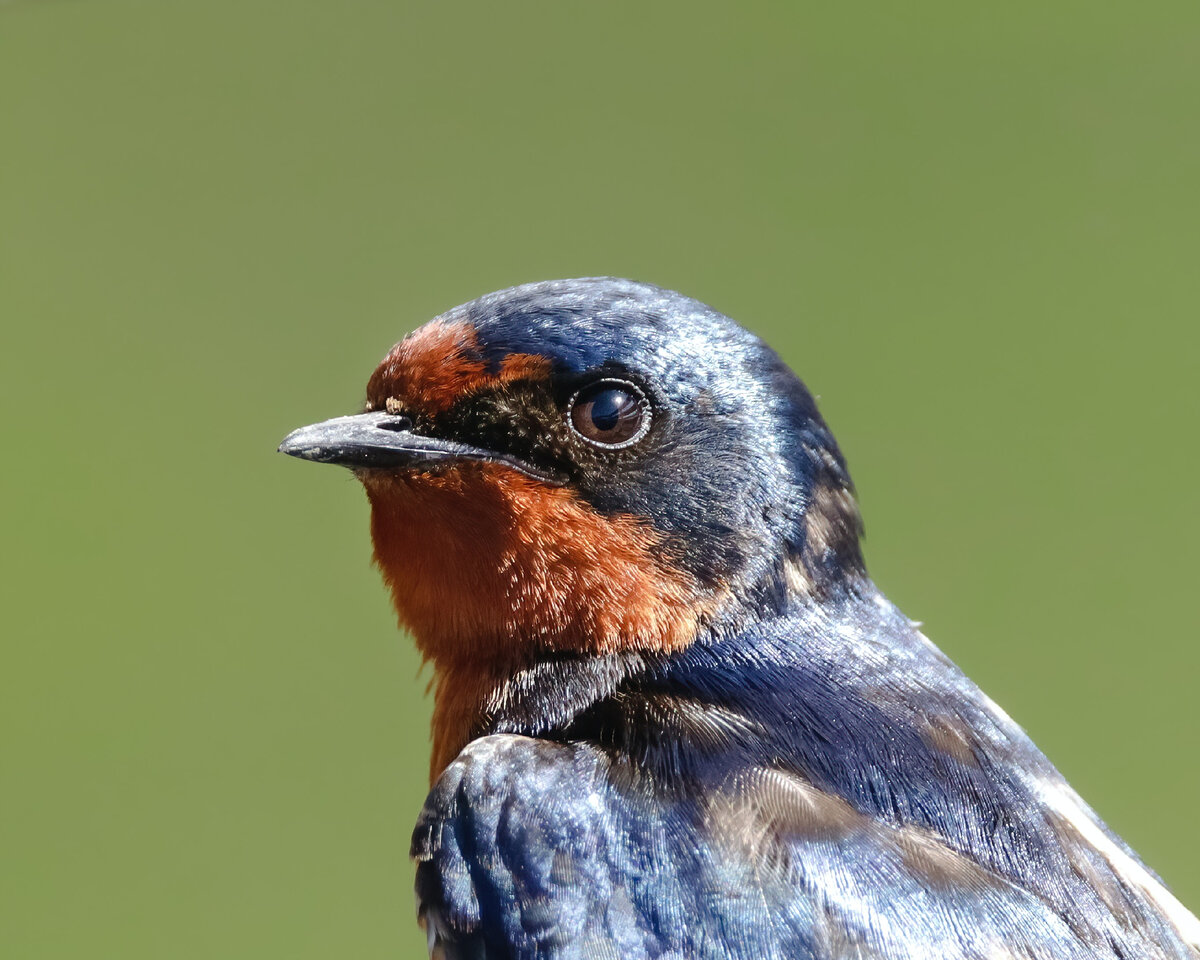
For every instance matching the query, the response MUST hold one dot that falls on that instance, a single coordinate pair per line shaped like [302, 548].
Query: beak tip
[295, 445]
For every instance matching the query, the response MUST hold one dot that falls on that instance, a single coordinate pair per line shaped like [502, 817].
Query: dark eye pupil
[606, 409]
[609, 414]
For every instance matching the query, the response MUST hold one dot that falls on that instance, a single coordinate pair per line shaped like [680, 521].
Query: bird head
[590, 466]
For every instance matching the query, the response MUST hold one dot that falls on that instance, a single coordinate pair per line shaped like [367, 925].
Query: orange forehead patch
[490, 569]
[434, 367]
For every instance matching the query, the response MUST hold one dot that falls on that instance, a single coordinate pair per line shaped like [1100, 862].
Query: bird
[673, 715]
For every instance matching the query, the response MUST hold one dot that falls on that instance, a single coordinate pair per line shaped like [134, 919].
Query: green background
[972, 230]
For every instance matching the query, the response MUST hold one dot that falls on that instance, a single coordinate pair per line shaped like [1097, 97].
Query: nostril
[395, 424]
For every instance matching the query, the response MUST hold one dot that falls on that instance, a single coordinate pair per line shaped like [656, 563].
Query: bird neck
[585, 695]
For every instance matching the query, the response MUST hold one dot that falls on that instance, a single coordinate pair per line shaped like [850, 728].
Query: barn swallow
[674, 717]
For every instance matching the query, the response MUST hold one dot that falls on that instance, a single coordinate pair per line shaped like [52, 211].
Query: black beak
[383, 441]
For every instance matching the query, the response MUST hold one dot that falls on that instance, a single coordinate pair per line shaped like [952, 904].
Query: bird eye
[610, 413]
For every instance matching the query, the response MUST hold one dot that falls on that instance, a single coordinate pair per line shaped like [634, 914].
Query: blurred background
[972, 230]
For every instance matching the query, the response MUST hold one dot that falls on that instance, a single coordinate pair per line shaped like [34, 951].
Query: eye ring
[609, 413]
